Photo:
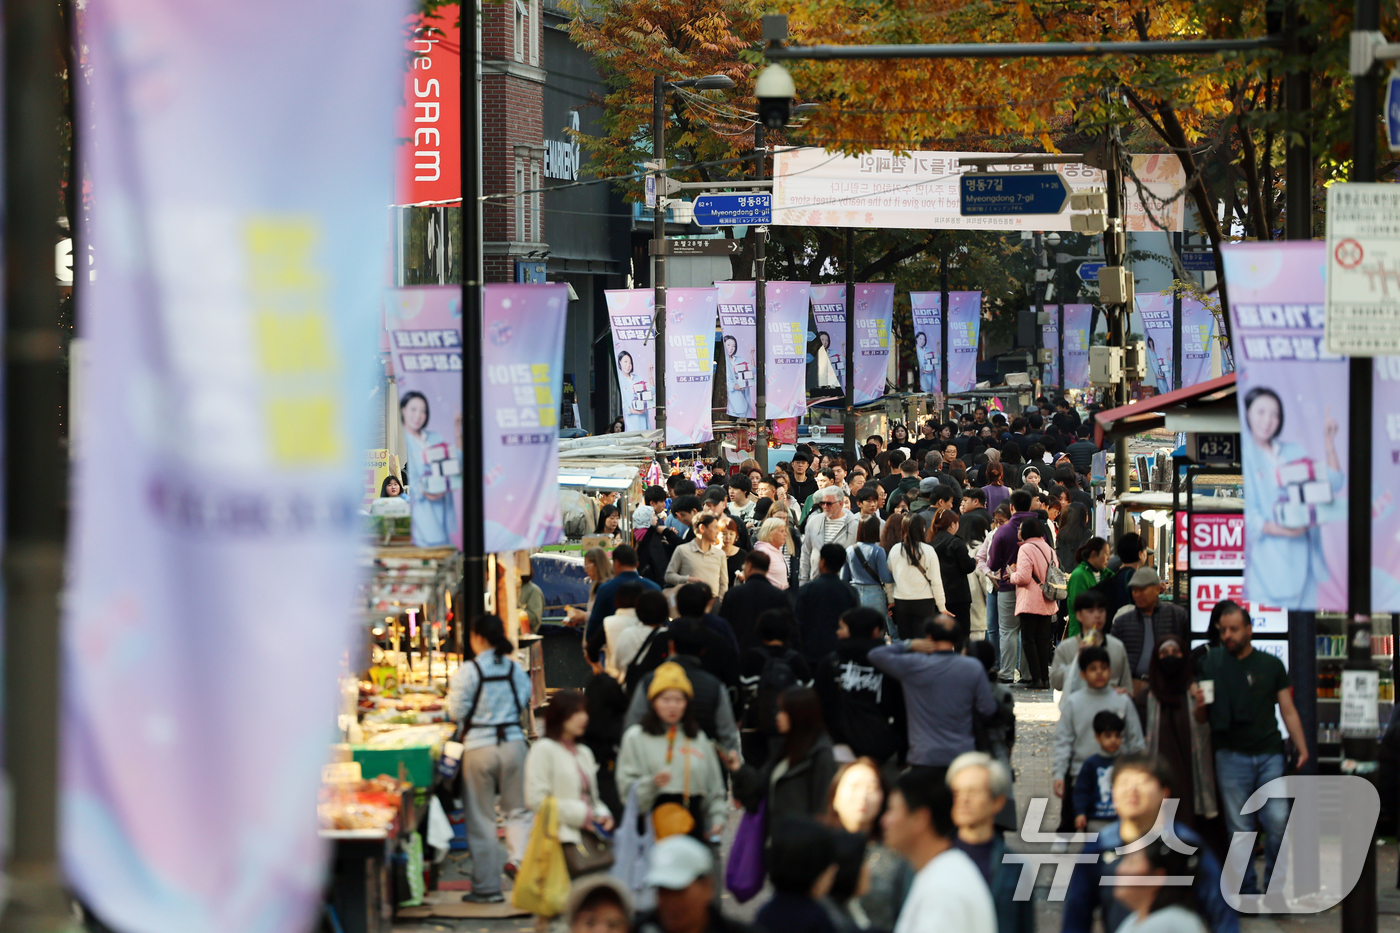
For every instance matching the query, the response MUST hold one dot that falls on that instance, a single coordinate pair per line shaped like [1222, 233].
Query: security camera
[775, 91]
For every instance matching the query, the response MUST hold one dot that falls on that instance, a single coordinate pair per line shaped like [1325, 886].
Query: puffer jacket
[1033, 562]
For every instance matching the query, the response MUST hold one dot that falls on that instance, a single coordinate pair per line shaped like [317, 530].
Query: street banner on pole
[631, 312]
[690, 364]
[1293, 397]
[785, 313]
[522, 378]
[1385, 485]
[964, 329]
[1077, 320]
[1197, 341]
[230, 371]
[425, 346]
[428, 160]
[829, 315]
[1156, 312]
[927, 311]
[736, 322]
[874, 314]
[1050, 340]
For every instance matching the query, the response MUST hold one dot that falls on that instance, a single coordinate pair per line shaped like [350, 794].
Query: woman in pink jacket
[1034, 559]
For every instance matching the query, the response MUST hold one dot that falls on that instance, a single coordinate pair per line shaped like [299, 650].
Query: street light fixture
[707, 83]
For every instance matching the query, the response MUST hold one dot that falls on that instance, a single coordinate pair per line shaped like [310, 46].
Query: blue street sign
[1089, 271]
[729, 210]
[1198, 262]
[1392, 110]
[1008, 193]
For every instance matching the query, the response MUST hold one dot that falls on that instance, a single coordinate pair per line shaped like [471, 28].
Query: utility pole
[36, 470]
[943, 319]
[1177, 350]
[849, 422]
[760, 337]
[1114, 248]
[474, 583]
[1038, 289]
[658, 234]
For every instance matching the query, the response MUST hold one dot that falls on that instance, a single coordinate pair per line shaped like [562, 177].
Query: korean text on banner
[425, 339]
[874, 315]
[428, 162]
[230, 372]
[927, 311]
[631, 312]
[1293, 399]
[829, 315]
[964, 330]
[1077, 320]
[1156, 312]
[920, 191]
[1197, 341]
[1210, 541]
[1207, 591]
[785, 313]
[736, 322]
[1050, 340]
[690, 364]
[522, 377]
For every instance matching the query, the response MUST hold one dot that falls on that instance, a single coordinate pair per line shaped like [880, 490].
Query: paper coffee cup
[1208, 690]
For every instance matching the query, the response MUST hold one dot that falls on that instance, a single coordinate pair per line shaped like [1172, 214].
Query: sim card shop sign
[1215, 541]
[428, 123]
[1207, 591]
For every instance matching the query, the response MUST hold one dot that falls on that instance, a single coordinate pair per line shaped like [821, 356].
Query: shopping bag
[632, 846]
[542, 879]
[744, 874]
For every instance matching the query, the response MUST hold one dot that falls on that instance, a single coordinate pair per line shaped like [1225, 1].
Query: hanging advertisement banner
[785, 313]
[217, 505]
[920, 191]
[829, 316]
[1293, 398]
[1385, 485]
[1215, 541]
[927, 311]
[425, 340]
[1206, 591]
[521, 383]
[1050, 340]
[736, 323]
[874, 315]
[1197, 341]
[690, 364]
[631, 312]
[428, 157]
[964, 330]
[1077, 321]
[1156, 313]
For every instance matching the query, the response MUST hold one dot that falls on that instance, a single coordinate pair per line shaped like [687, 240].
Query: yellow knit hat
[670, 676]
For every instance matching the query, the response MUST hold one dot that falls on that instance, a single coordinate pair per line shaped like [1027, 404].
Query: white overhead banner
[919, 191]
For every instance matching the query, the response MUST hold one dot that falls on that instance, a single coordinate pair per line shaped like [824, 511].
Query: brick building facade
[512, 99]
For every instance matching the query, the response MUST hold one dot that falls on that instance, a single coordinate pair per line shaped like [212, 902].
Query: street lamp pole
[658, 139]
[760, 338]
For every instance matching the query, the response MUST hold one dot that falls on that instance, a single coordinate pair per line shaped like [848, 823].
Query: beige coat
[552, 770]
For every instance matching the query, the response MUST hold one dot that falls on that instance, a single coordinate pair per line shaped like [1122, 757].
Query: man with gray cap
[1139, 625]
[830, 523]
[681, 871]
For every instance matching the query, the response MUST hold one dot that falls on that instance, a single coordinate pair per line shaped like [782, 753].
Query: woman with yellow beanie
[671, 763]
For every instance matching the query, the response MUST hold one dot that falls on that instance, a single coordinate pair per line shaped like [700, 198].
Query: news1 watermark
[1330, 825]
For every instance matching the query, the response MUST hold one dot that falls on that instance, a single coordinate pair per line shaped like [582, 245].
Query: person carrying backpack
[765, 671]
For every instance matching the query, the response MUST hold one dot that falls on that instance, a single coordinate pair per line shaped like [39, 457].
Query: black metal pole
[760, 337]
[474, 583]
[658, 233]
[1114, 241]
[1177, 354]
[36, 468]
[1037, 260]
[943, 320]
[849, 421]
[1061, 293]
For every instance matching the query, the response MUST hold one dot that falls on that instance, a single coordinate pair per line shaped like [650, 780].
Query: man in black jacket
[862, 707]
[803, 482]
[744, 603]
[711, 705]
[821, 602]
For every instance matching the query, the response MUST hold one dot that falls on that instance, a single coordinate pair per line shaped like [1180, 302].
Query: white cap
[678, 862]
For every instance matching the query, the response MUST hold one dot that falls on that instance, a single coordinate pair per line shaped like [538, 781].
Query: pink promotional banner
[631, 312]
[1385, 485]
[1293, 399]
[1050, 340]
[736, 323]
[690, 364]
[829, 315]
[1156, 313]
[785, 313]
[1197, 342]
[522, 378]
[927, 311]
[964, 330]
[1197, 336]
[874, 313]
[1076, 336]
[219, 473]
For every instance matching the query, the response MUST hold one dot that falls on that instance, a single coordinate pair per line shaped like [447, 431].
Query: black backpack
[778, 674]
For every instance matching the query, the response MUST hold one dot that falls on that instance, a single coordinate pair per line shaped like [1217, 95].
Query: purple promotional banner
[829, 315]
[1293, 399]
[1077, 320]
[927, 311]
[1050, 340]
[1197, 337]
[521, 382]
[964, 330]
[631, 312]
[425, 346]
[1385, 486]
[785, 313]
[1156, 312]
[690, 364]
[736, 322]
[218, 483]
[1197, 341]
[874, 313]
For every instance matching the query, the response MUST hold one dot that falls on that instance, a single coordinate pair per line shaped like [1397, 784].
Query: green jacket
[1083, 578]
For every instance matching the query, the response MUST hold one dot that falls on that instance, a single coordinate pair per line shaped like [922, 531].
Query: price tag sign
[341, 772]
[1360, 716]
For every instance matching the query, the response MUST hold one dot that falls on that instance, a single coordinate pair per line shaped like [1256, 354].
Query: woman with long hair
[608, 518]
[866, 568]
[597, 566]
[954, 563]
[975, 527]
[899, 436]
[918, 581]
[559, 765]
[487, 696]
[995, 488]
[1034, 558]
[1000, 516]
[893, 532]
[1171, 731]
[795, 779]
[433, 518]
[855, 804]
[1090, 570]
[733, 554]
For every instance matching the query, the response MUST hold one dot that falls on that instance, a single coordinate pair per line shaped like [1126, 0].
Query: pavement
[1036, 716]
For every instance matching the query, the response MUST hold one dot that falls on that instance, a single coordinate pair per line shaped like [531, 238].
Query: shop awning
[1205, 406]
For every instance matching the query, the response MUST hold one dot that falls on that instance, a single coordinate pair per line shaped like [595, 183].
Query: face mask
[1171, 666]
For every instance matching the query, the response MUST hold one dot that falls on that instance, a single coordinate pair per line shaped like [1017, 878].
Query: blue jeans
[1240, 775]
[1009, 644]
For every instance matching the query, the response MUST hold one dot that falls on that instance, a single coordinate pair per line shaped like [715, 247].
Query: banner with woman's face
[690, 364]
[927, 310]
[736, 322]
[829, 318]
[631, 311]
[1076, 337]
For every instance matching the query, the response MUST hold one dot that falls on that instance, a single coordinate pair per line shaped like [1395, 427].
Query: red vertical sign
[428, 159]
